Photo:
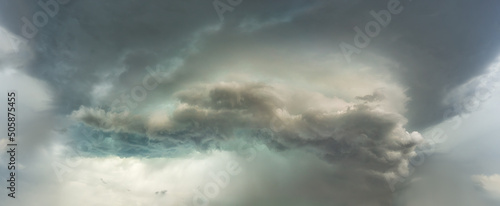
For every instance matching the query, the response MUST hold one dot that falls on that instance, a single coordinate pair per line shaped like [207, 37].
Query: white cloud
[9, 43]
[491, 184]
[33, 94]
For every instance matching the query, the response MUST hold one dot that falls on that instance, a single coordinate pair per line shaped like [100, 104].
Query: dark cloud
[86, 43]
[365, 142]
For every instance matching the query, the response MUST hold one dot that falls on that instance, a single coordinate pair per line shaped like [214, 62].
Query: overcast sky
[239, 102]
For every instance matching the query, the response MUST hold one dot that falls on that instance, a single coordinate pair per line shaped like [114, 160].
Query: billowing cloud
[75, 52]
[364, 139]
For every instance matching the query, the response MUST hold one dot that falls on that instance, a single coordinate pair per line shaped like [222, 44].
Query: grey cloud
[88, 43]
[443, 181]
[365, 142]
[376, 96]
[431, 50]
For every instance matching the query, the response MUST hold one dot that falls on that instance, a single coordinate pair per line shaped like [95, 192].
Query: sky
[238, 102]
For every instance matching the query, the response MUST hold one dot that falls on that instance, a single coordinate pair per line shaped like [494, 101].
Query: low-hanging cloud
[365, 140]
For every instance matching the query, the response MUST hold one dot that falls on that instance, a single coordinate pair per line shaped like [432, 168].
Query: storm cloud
[147, 77]
[367, 142]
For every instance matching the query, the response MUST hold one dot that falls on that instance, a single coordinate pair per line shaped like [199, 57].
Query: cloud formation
[364, 140]
[490, 184]
[270, 73]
